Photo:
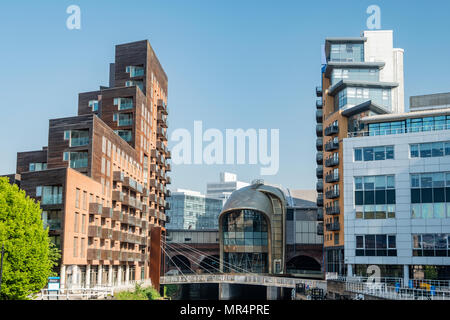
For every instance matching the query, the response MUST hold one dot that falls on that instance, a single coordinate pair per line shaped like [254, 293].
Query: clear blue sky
[232, 64]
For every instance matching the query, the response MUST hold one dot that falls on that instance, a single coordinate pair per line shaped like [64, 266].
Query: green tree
[29, 254]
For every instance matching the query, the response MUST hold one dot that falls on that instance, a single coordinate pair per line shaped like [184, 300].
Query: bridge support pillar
[274, 293]
[225, 291]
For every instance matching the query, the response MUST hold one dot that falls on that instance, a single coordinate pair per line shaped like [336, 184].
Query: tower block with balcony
[102, 181]
[361, 76]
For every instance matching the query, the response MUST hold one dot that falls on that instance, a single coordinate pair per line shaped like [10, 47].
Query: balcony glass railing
[125, 135]
[52, 224]
[125, 122]
[51, 195]
[78, 160]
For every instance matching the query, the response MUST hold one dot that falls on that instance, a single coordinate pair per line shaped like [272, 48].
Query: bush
[139, 293]
[29, 254]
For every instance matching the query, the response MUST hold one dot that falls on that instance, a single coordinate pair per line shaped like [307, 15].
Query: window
[431, 245]
[93, 104]
[84, 200]
[374, 153]
[51, 195]
[78, 159]
[376, 245]
[430, 195]
[76, 218]
[77, 198]
[83, 223]
[75, 247]
[427, 150]
[375, 197]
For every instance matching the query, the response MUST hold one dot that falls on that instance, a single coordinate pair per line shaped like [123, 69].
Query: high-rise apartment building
[397, 192]
[102, 180]
[192, 210]
[362, 76]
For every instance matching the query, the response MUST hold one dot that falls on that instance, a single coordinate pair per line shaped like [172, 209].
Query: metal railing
[394, 288]
[244, 278]
[384, 132]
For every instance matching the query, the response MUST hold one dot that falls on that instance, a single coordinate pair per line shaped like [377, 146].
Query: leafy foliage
[139, 293]
[29, 253]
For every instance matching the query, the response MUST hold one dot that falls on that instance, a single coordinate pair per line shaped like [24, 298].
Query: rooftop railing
[384, 132]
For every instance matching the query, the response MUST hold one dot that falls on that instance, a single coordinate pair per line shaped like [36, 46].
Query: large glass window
[78, 159]
[51, 195]
[431, 245]
[123, 103]
[79, 138]
[356, 74]
[374, 153]
[430, 195]
[375, 197]
[376, 245]
[125, 134]
[347, 52]
[352, 96]
[427, 150]
[245, 239]
[414, 125]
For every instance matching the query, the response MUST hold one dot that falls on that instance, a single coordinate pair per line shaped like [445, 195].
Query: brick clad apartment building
[102, 180]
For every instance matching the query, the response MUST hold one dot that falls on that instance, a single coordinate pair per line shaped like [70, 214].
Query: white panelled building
[397, 192]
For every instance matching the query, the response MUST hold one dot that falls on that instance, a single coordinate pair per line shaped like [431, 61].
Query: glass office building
[193, 211]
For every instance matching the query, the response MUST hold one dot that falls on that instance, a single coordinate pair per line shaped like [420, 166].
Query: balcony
[319, 186]
[94, 231]
[118, 176]
[319, 104]
[95, 208]
[319, 130]
[319, 91]
[117, 215]
[130, 183]
[116, 235]
[168, 193]
[331, 162]
[162, 107]
[115, 255]
[335, 226]
[162, 120]
[332, 177]
[135, 71]
[168, 180]
[319, 157]
[331, 130]
[106, 233]
[320, 229]
[52, 224]
[107, 212]
[161, 133]
[319, 214]
[332, 145]
[332, 194]
[319, 144]
[319, 200]
[93, 254]
[319, 116]
[152, 212]
[168, 167]
[167, 207]
[118, 196]
[319, 172]
[123, 103]
[333, 210]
